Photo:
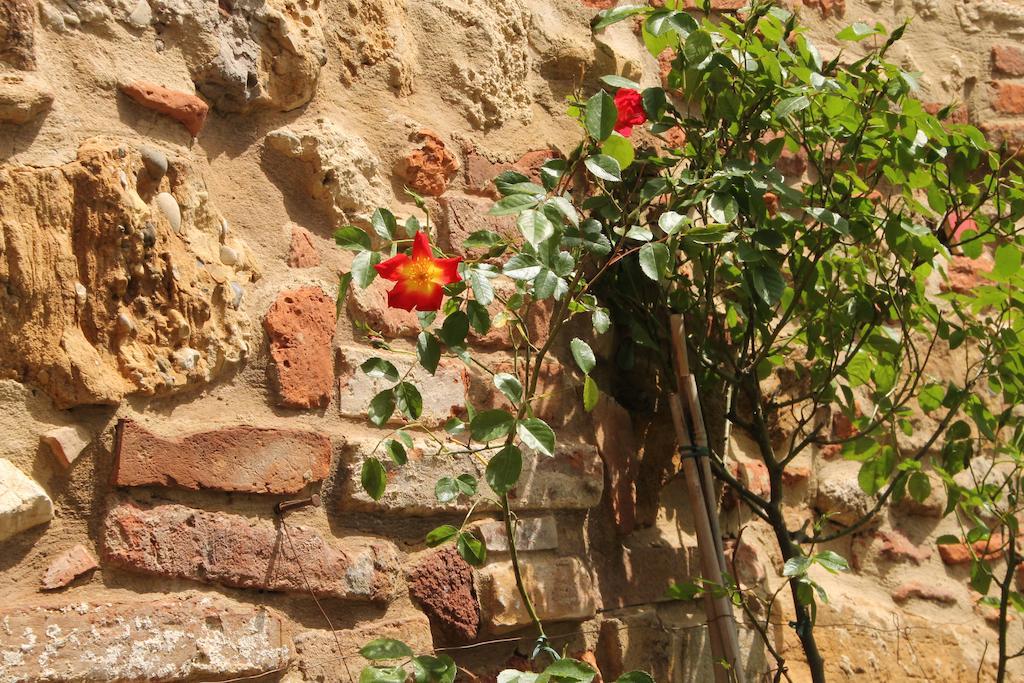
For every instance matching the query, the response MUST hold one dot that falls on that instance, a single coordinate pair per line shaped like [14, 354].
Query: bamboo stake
[701, 486]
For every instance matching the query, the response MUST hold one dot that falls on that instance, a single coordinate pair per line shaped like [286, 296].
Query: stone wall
[173, 364]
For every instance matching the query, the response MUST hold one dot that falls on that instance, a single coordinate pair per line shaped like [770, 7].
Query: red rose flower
[956, 227]
[420, 278]
[631, 111]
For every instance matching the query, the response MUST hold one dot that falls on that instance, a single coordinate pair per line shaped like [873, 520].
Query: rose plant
[808, 294]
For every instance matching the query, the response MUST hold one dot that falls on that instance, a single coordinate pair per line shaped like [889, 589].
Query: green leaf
[768, 282]
[441, 535]
[590, 393]
[454, 329]
[616, 14]
[504, 469]
[344, 280]
[408, 400]
[446, 489]
[483, 239]
[791, 105]
[604, 167]
[396, 452]
[654, 258]
[570, 670]
[583, 354]
[620, 149]
[919, 486]
[509, 385]
[600, 115]
[565, 208]
[521, 267]
[385, 648]
[602, 321]
[620, 82]
[384, 224]
[378, 367]
[483, 291]
[471, 549]
[383, 674]
[697, 48]
[859, 31]
[635, 677]
[382, 407]
[796, 566]
[1007, 262]
[430, 669]
[513, 204]
[536, 434]
[373, 478]
[428, 351]
[479, 317]
[352, 238]
[535, 226]
[671, 222]
[832, 561]
[722, 208]
[363, 271]
[931, 396]
[490, 425]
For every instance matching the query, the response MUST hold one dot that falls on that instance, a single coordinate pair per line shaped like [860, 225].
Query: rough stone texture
[617, 445]
[571, 480]
[23, 503]
[17, 33]
[241, 458]
[375, 38]
[1009, 98]
[66, 443]
[839, 494]
[444, 392]
[188, 110]
[429, 167]
[23, 97]
[103, 298]
[442, 585]
[317, 650]
[461, 216]
[960, 553]
[532, 534]
[67, 566]
[1008, 60]
[301, 327]
[343, 172]
[370, 307]
[184, 638]
[561, 590]
[175, 541]
[302, 252]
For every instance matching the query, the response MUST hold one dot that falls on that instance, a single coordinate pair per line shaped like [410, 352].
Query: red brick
[1009, 98]
[744, 563]
[462, 215]
[442, 585]
[898, 548]
[792, 163]
[915, 589]
[1009, 132]
[301, 328]
[1008, 60]
[795, 475]
[831, 451]
[180, 638]
[567, 594]
[965, 273]
[957, 115]
[959, 553]
[753, 475]
[242, 458]
[174, 541]
[429, 167]
[188, 110]
[67, 566]
[302, 252]
[480, 171]
[617, 445]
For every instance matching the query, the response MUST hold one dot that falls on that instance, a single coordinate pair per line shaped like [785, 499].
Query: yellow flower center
[421, 274]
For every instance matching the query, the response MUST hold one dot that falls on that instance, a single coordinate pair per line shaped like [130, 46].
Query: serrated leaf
[363, 271]
[536, 434]
[503, 469]
[378, 367]
[521, 267]
[535, 226]
[489, 425]
[697, 47]
[352, 238]
[471, 549]
[600, 115]
[384, 224]
[604, 167]
[509, 385]
[382, 407]
[408, 400]
[428, 351]
[373, 478]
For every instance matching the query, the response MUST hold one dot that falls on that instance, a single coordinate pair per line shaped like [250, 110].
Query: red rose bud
[420, 278]
[631, 111]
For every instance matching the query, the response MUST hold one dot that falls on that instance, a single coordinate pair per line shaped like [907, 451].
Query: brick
[744, 562]
[444, 392]
[317, 649]
[68, 566]
[480, 171]
[964, 274]
[442, 585]
[893, 545]
[190, 637]
[174, 541]
[956, 115]
[429, 167]
[66, 443]
[558, 396]
[571, 480]
[302, 252]
[642, 571]
[915, 590]
[240, 458]
[561, 590]
[301, 325]
[753, 475]
[619, 451]
[23, 503]
[17, 33]
[1010, 133]
[1008, 60]
[1009, 98]
[532, 534]
[369, 306]
[186, 109]
[959, 553]
[459, 216]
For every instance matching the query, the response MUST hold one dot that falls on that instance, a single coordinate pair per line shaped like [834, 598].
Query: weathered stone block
[317, 650]
[444, 392]
[561, 590]
[23, 503]
[239, 458]
[301, 325]
[232, 550]
[190, 638]
[532, 534]
[571, 480]
[23, 97]
[18, 33]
